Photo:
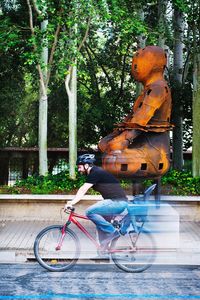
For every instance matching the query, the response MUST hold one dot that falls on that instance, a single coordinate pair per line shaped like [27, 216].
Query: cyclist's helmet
[86, 159]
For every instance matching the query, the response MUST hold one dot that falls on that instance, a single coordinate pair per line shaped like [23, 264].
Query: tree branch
[186, 67]
[94, 79]
[86, 34]
[52, 52]
[30, 17]
[187, 60]
[42, 84]
[89, 90]
[67, 80]
[36, 8]
[43, 87]
[123, 71]
[103, 68]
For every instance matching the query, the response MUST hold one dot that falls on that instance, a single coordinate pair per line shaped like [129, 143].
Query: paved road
[98, 281]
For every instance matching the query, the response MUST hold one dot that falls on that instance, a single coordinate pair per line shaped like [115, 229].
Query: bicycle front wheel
[55, 251]
[134, 252]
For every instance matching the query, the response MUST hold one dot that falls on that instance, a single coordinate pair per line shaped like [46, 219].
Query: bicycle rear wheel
[46, 248]
[134, 252]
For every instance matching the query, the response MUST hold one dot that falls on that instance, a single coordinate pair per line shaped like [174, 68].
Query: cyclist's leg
[125, 223]
[102, 235]
[101, 210]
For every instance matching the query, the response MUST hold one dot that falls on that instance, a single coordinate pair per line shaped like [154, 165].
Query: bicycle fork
[63, 233]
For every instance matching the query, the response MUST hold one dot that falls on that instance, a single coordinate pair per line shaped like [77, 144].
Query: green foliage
[57, 119]
[124, 16]
[182, 5]
[18, 121]
[59, 183]
[182, 183]
[10, 36]
[51, 183]
[125, 183]
[105, 87]
[173, 183]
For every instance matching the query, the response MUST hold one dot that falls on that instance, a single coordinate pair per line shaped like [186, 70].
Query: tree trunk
[4, 169]
[141, 43]
[42, 140]
[162, 5]
[43, 110]
[177, 90]
[71, 88]
[196, 117]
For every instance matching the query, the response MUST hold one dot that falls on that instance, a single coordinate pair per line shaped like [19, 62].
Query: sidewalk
[17, 238]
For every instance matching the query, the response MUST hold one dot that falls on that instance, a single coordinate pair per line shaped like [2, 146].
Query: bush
[51, 183]
[182, 183]
[174, 183]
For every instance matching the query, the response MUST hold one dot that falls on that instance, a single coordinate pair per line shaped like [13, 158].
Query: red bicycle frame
[72, 219]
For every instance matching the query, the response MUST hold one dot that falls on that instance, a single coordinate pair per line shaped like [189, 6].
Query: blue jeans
[101, 212]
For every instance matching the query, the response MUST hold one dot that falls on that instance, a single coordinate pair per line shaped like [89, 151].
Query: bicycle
[57, 247]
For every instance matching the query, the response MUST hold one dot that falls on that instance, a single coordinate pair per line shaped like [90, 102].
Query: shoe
[106, 242]
[101, 256]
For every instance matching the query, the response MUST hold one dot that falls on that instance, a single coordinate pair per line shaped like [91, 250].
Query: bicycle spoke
[52, 257]
[134, 252]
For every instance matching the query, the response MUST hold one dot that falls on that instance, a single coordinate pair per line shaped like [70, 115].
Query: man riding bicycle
[114, 203]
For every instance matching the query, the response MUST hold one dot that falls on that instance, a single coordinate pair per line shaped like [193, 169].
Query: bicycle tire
[134, 252]
[56, 260]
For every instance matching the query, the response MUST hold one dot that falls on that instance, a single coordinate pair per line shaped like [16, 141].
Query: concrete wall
[49, 207]
[38, 209]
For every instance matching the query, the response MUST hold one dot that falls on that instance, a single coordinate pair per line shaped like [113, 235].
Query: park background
[65, 81]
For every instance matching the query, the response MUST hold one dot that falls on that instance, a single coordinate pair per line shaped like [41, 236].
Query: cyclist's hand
[68, 206]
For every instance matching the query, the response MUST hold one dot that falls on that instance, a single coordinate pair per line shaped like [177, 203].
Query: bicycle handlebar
[69, 208]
